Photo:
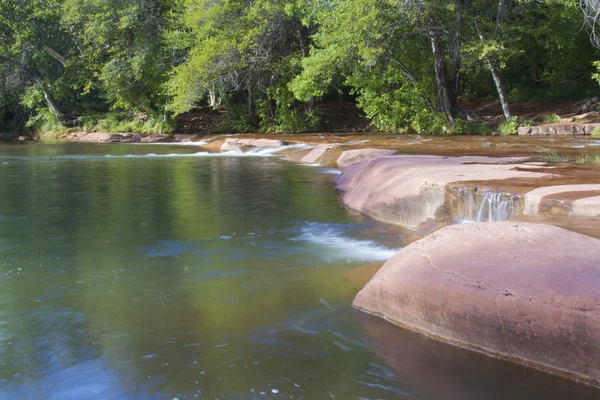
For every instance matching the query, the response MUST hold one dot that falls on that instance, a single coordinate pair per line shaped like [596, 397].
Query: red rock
[524, 292]
[103, 137]
[156, 138]
[318, 152]
[350, 157]
[409, 190]
[238, 143]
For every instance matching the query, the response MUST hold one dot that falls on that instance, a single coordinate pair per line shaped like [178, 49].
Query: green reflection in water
[217, 277]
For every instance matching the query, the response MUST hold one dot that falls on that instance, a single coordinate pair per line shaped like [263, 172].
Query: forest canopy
[268, 65]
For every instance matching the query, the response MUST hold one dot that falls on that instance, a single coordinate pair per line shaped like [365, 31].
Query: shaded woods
[408, 65]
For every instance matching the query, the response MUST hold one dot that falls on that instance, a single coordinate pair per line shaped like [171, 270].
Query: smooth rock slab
[534, 198]
[236, 144]
[157, 138]
[410, 190]
[350, 157]
[524, 292]
[589, 206]
[318, 152]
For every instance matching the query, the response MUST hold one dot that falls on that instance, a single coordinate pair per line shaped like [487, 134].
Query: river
[153, 272]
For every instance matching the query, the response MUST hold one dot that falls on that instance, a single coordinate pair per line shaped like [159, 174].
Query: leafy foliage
[509, 127]
[406, 64]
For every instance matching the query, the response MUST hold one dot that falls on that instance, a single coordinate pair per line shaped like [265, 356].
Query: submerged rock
[410, 190]
[524, 292]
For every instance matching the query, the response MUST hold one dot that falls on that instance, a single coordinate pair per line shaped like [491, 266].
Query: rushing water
[154, 272]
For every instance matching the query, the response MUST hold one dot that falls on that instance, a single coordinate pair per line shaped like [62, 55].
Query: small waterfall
[471, 204]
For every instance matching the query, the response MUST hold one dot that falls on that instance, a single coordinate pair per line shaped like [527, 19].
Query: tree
[120, 49]
[34, 50]
[591, 15]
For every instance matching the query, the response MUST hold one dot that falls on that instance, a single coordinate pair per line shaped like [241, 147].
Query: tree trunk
[500, 88]
[441, 79]
[213, 98]
[497, 79]
[52, 104]
[55, 54]
[251, 108]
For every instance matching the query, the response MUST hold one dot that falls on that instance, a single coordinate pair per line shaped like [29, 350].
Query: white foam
[332, 245]
[331, 171]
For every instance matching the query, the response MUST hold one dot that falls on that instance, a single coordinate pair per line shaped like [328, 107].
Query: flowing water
[160, 272]
[483, 205]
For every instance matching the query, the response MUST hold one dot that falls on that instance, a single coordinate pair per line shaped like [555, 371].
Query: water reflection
[187, 277]
[430, 370]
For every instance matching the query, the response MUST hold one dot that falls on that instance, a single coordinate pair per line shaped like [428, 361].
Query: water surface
[153, 272]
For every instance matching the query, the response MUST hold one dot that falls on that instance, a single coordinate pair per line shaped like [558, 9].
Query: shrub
[509, 127]
[476, 127]
[528, 122]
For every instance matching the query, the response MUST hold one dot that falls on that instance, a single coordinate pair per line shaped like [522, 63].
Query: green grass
[113, 122]
[588, 158]
[124, 123]
[551, 155]
[528, 122]
[596, 132]
[551, 118]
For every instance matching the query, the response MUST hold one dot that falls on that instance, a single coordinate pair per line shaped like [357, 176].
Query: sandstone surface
[350, 157]
[474, 286]
[318, 152]
[236, 144]
[103, 137]
[409, 190]
[157, 138]
[589, 206]
[534, 198]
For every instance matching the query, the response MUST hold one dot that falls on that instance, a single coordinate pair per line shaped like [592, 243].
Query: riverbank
[426, 183]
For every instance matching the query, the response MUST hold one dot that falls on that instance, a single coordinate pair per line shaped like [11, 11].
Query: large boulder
[410, 190]
[350, 157]
[524, 292]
